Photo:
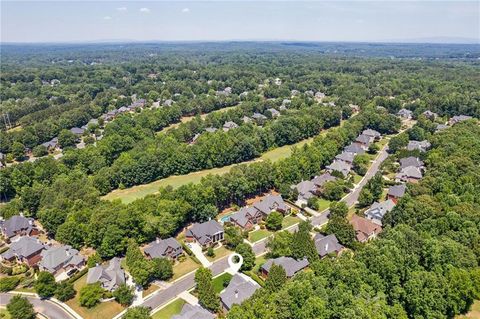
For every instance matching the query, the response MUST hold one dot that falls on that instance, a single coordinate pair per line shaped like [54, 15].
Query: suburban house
[24, 250]
[52, 144]
[240, 288]
[272, 203]
[286, 102]
[274, 112]
[243, 95]
[320, 180]
[168, 102]
[246, 217]
[409, 174]
[396, 191]
[355, 149]
[430, 115]
[458, 118]
[421, 146]
[364, 229]
[193, 312]
[327, 244]
[347, 157]
[206, 234]
[290, 265]
[378, 210]
[229, 125]
[306, 190]
[57, 260]
[441, 127]
[363, 140]
[164, 248]
[110, 276]
[406, 114]
[320, 96]
[372, 133]
[411, 161]
[309, 93]
[258, 117]
[18, 226]
[355, 108]
[294, 92]
[246, 119]
[339, 166]
[77, 131]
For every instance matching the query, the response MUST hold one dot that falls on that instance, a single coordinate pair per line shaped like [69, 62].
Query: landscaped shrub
[8, 283]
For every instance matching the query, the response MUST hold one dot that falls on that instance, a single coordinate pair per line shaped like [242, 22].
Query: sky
[358, 21]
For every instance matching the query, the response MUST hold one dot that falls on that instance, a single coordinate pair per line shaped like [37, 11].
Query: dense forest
[425, 263]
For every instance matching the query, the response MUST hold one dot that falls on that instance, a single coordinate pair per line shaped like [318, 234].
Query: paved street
[45, 307]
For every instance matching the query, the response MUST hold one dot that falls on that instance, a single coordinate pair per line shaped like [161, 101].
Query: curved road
[45, 307]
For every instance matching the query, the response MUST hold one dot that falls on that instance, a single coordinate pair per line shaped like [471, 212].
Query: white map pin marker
[235, 262]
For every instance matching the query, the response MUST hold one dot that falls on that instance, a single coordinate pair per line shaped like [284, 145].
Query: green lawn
[474, 312]
[219, 253]
[218, 281]
[257, 235]
[152, 288]
[259, 261]
[289, 221]
[323, 204]
[170, 310]
[107, 309]
[357, 178]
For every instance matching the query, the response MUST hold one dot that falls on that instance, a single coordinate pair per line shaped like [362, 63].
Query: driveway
[197, 251]
[45, 307]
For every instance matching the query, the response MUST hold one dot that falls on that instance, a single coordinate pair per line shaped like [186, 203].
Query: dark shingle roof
[291, 266]
[202, 232]
[238, 290]
[397, 190]
[158, 248]
[327, 244]
[15, 224]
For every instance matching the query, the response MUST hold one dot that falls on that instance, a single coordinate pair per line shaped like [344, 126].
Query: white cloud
[145, 10]
[185, 10]
[107, 18]
[122, 9]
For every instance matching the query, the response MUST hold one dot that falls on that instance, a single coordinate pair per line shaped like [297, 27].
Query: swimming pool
[225, 218]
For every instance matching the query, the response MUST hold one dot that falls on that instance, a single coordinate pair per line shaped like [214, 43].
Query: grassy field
[289, 221]
[103, 310]
[170, 310]
[218, 281]
[474, 312]
[257, 235]
[130, 194]
[323, 204]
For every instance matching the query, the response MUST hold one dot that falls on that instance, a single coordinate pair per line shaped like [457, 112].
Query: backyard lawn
[289, 221]
[218, 281]
[103, 310]
[323, 204]
[259, 234]
[170, 310]
[183, 268]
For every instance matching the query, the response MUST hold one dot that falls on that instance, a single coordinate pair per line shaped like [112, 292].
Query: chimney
[236, 294]
[326, 247]
[157, 240]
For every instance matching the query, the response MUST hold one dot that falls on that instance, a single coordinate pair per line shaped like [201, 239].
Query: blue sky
[73, 21]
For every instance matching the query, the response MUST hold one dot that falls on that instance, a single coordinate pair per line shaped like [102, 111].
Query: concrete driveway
[197, 251]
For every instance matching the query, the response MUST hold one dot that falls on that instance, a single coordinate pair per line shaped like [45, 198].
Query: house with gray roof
[211, 129]
[243, 95]
[52, 144]
[411, 161]
[229, 125]
[294, 92]
[286, 102]
[376, 212]
[206, 234]
[327, 245]
[306, 190]
[355, 148]
[320, 95]
[347, 157]
[240, 288]
[309, 93]
[272, 203]
[441, 127]
[110, 276]
[164, 248]
[396, 191]
[193, 312]
[246, 119]
[458, 118]
[319, 181]
[430, 115]
[274, 112]
[340, 166]
[168, 102]
[364, 140]
[290, 265]
[77, 130]
[409, 174]
[25, 249]
[421, 146]
[18, 225]
[372, 133]
[57, 260]
[246, 217]
[258, 117]
[406, 114]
